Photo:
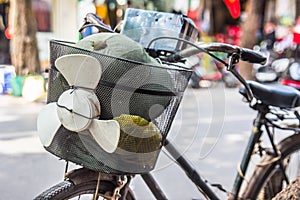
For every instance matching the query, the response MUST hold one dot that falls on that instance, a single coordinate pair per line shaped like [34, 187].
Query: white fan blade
[106, 133]
[47, 123]
[80, 70]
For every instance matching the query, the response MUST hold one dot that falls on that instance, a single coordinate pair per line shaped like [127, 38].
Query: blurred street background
[212, 124]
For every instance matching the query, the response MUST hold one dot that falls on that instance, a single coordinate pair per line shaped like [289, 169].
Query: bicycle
[273, 105]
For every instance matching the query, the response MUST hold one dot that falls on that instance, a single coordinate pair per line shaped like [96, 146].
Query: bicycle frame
[255, 138]
[235, 54]
[195, 176]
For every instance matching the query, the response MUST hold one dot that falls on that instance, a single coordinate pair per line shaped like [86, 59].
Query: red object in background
[219, 37]
[8, 33]
[195, 16]
[295, 84]
[296, 33]
[233, 7]
[234, 32]
[232, 36]
[296, 38]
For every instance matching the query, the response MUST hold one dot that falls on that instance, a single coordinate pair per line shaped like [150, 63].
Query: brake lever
[232, 61]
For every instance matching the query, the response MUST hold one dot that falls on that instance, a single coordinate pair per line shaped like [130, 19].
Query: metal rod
[254, 138]
[153, 186]
[66, 169]
[276, 154]
[95, 195]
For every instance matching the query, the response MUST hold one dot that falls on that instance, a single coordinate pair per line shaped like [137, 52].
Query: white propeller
[78, 108]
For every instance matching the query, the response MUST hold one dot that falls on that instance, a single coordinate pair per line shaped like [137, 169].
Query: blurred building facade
[61, 19]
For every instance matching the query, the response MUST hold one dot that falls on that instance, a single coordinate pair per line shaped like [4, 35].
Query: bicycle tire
[67, 190]
[262, 178]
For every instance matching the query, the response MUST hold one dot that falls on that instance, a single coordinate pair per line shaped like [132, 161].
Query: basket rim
[71, 44]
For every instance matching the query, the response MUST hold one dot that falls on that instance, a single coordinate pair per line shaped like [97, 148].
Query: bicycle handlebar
[251, 56]
[245, 54]
[235, 53]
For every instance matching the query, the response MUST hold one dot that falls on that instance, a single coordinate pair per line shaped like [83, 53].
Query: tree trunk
[297, 8]
[24, 49]
[249, 33]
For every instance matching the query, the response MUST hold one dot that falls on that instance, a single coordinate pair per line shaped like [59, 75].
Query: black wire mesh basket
[127, 90]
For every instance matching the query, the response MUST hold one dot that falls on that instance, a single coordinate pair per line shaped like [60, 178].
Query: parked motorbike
[291, 76]
[277, 63]
[283, 63]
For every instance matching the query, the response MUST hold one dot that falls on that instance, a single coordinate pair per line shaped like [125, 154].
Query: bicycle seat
[274, 95]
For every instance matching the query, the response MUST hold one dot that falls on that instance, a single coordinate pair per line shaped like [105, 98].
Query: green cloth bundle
[138, 135]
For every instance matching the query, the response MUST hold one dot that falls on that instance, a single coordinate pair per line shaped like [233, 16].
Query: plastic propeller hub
[76, 109]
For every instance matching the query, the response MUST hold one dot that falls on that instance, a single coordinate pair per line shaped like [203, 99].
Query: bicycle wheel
[266, 181]
[68, 190]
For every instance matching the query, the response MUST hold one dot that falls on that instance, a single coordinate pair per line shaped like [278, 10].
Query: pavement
[25, 165]
[18, 120]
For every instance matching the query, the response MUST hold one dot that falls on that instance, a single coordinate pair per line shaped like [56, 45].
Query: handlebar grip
[251, 56]
[92, 19]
